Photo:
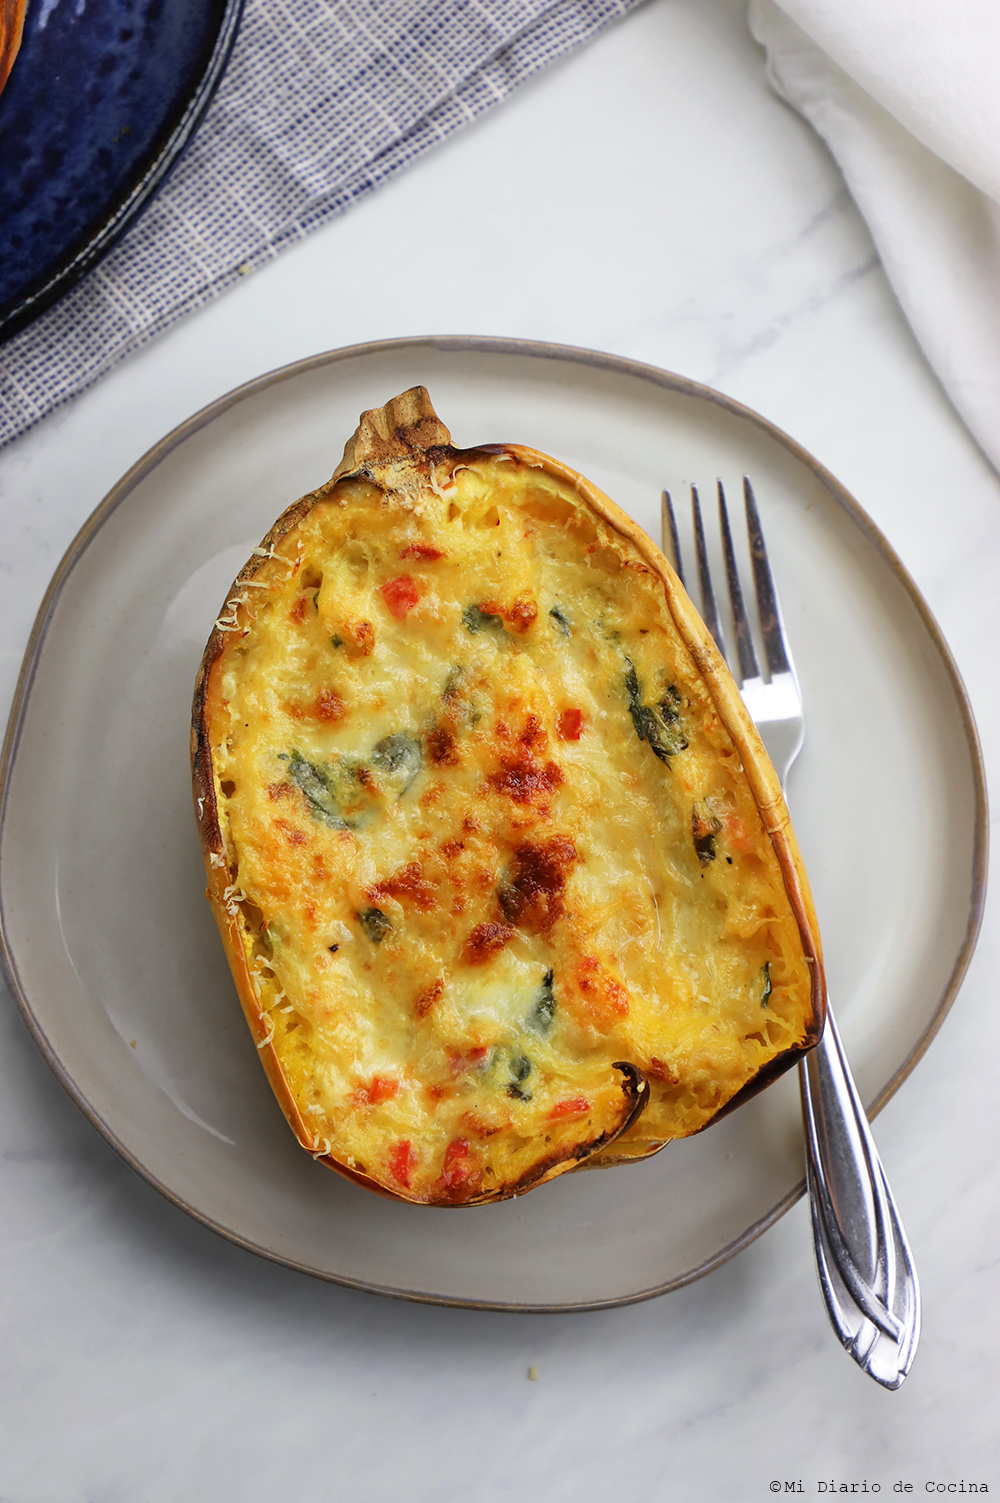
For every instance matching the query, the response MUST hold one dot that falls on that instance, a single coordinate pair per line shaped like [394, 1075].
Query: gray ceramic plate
[107, 939]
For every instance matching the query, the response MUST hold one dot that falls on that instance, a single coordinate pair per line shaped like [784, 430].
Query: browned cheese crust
[503, 872]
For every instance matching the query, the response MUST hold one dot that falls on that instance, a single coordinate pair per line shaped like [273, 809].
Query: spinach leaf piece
[337, 793]
[473, 619]
[765, 971]
[561, 620]
[704, 828]
[397, 760]
[669, 711]
[375, 924]
[317, 786]
[543, 1009]
[659, 727]
[520, 1069]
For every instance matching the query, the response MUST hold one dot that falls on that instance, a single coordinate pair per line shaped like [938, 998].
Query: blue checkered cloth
[323, 100]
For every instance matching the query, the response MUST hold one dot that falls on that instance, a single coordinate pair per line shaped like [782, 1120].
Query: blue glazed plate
[101, 102]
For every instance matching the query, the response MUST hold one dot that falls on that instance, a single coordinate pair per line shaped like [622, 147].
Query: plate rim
[124, 211]
[532, 349]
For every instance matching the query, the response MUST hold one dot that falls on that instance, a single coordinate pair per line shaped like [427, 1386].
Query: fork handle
[865, 1267]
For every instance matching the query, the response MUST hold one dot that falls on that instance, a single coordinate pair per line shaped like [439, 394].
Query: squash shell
[12, 14]
[397, 448]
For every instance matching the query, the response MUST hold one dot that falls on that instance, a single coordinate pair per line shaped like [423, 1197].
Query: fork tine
[668, 531]
[744, 641]
[709, 609]
[771, 626]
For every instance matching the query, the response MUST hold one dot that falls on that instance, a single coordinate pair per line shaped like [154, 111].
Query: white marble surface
[648, 197]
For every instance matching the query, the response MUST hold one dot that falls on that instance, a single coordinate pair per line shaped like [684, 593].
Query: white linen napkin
[906, 94]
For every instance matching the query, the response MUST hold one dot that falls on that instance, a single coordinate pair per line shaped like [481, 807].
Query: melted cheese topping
[488, 838]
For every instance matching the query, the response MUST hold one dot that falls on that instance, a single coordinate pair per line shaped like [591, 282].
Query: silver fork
[863, 1259]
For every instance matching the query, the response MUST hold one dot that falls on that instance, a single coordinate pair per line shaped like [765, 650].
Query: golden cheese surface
[488, 839]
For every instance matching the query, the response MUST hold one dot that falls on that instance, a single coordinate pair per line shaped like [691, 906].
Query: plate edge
[540, 350]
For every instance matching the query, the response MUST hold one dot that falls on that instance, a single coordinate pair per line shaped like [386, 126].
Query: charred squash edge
[396, 447]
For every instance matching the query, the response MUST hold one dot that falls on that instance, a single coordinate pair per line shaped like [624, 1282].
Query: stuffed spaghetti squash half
[503, 873]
